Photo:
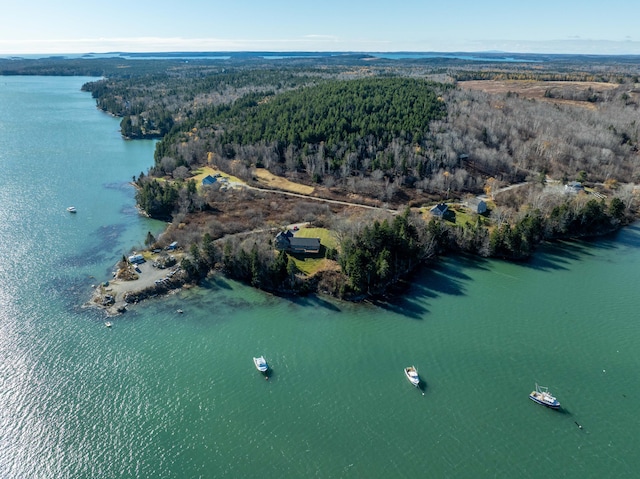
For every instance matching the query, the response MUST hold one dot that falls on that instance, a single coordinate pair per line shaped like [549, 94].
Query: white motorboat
[261, 364]
[72, 209]
[412, 375]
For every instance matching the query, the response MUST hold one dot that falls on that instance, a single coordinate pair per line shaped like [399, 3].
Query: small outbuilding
[477, 205]
[573, 187]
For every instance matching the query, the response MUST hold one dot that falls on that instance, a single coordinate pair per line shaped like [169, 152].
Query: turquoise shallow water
[170, 395]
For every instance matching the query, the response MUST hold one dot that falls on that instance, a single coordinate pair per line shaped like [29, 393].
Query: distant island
[342, 174]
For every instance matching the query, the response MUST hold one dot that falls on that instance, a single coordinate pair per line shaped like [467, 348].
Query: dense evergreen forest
[331, 129]
[396, 134]
[334, 113]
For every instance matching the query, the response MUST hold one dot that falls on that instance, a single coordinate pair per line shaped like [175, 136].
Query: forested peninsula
[343, 174]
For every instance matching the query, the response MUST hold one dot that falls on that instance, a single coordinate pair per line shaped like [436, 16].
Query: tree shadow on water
[314, 301]
[559, 255]
[446, 277]
[629, 237]
[441, 278]
[216, 281]
[551, 258]
[403, 306]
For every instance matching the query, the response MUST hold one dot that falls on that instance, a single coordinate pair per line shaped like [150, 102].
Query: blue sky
[545, 26]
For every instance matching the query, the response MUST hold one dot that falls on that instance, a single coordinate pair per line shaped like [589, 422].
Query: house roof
[286, 240]
[209, 180]
[475, 201]
[574, 187]
[307, 243]
[285, 235]
[439, 209]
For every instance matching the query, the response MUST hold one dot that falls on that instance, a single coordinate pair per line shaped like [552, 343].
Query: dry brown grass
[536, 89]
[266, 178]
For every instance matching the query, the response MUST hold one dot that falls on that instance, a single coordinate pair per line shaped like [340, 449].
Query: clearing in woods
[536, 89]
[267, 178]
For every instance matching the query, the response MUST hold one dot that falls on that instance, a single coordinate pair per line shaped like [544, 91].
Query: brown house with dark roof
[286, 241]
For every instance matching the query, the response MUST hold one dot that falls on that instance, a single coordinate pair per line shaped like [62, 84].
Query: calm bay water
[164, 395]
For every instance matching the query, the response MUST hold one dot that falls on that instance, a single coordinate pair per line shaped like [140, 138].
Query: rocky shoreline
[134, 283]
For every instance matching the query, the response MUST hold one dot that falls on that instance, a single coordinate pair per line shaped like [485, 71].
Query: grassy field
[309, 266]
[458, 214]
[268, 179]
[327, 238]
[201, 173]
[462, 215]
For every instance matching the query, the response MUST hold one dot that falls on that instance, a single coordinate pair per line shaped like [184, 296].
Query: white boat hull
[261, 364]
[544, 398]
[412, 376]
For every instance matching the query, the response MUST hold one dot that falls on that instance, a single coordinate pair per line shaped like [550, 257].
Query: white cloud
[322, 37]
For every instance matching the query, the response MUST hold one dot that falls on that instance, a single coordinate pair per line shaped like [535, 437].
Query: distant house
[573, 187]
[477, 205]
[439, 210]
[209, 180]
[285, 240]
[173, 245]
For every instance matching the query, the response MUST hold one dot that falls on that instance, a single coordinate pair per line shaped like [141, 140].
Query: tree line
[581, 76]
[375, 254]
[381, 254]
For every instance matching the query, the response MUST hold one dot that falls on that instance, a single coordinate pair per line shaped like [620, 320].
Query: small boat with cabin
[72, 209]
[261, 364]
[542, 396]
[412, 375]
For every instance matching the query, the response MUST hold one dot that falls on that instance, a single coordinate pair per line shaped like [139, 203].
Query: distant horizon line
[306, 52]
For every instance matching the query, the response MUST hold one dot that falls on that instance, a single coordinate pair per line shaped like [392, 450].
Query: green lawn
[458, 214]
[463, 216]
[310, 264]
[327, 238]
